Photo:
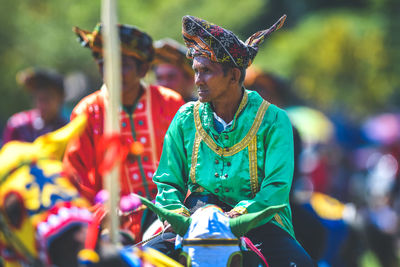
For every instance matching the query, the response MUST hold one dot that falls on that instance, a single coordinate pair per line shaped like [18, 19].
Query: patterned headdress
[171, 52]
[220, 45]
[134, 42]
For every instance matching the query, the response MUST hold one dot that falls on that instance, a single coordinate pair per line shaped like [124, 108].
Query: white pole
[112, 79]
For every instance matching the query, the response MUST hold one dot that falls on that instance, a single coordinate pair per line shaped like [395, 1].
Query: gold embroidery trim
[200, 189]
[182, 211]
[241, 210]
[242, 103]
[226, 152]
[253, 166]
[249, 140]
[195, 151]
[278, 219]
[241, 106]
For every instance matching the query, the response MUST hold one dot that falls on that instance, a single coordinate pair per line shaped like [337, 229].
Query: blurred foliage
[336, 61]
[338, 54]
[369, 260]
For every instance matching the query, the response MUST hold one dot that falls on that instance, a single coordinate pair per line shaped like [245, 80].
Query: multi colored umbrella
[382, 129]
[313, 125]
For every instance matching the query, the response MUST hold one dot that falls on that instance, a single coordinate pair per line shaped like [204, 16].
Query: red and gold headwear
[220, 45]
[134, 42]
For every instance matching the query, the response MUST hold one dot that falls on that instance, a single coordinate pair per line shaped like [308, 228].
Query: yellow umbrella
[313, 125]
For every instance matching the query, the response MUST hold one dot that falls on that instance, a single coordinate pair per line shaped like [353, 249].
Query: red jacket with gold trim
[147, 124]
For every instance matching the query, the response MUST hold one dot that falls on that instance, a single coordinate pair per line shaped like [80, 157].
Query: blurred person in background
[318, 219]
[277, 91]
[47, 89]
[271, 87]
[172, 69]
[376, 185]
[145, 115]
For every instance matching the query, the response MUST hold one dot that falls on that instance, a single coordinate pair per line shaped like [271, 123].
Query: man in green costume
[230, 148]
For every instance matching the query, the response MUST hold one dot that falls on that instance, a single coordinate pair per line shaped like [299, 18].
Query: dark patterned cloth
[134, 42]
[220, 45]
[171, 52]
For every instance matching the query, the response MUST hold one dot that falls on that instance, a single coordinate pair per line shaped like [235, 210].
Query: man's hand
[232, 214]
[167, 227]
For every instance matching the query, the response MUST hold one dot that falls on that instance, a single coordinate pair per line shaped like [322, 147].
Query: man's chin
[203, 99]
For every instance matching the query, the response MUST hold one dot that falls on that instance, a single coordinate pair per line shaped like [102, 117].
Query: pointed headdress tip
[75, 29]
[179, 222]
[80, 32]
[280, 22]
[244, 223]
[84, 37]
[256, 39]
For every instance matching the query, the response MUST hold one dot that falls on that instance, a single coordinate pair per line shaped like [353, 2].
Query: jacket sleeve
[80, 161]
[171, 174]
[279, 164]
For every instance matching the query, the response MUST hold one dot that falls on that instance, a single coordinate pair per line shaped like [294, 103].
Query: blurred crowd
[347, 178]
[345, 193]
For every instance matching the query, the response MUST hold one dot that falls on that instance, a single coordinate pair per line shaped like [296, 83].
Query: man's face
[131, 71]
[211, 82]
[48, 102]
[170, 76]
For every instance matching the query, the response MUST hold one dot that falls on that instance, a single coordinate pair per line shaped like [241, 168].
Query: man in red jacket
[146, 113]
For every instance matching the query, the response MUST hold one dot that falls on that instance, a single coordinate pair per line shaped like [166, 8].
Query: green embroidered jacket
[248, 166]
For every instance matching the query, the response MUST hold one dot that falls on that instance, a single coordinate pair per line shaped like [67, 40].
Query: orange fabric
[152, 116]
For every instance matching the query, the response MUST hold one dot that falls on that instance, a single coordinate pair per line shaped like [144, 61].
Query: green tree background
[338, 55]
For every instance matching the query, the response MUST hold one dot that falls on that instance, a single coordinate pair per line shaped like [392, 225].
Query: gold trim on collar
[242, 104]
[229, 151]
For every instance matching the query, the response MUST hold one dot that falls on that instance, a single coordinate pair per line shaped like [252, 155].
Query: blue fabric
[336, 234]
[278, 247]
[219, 124]
[129, 256]
[219, 127]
